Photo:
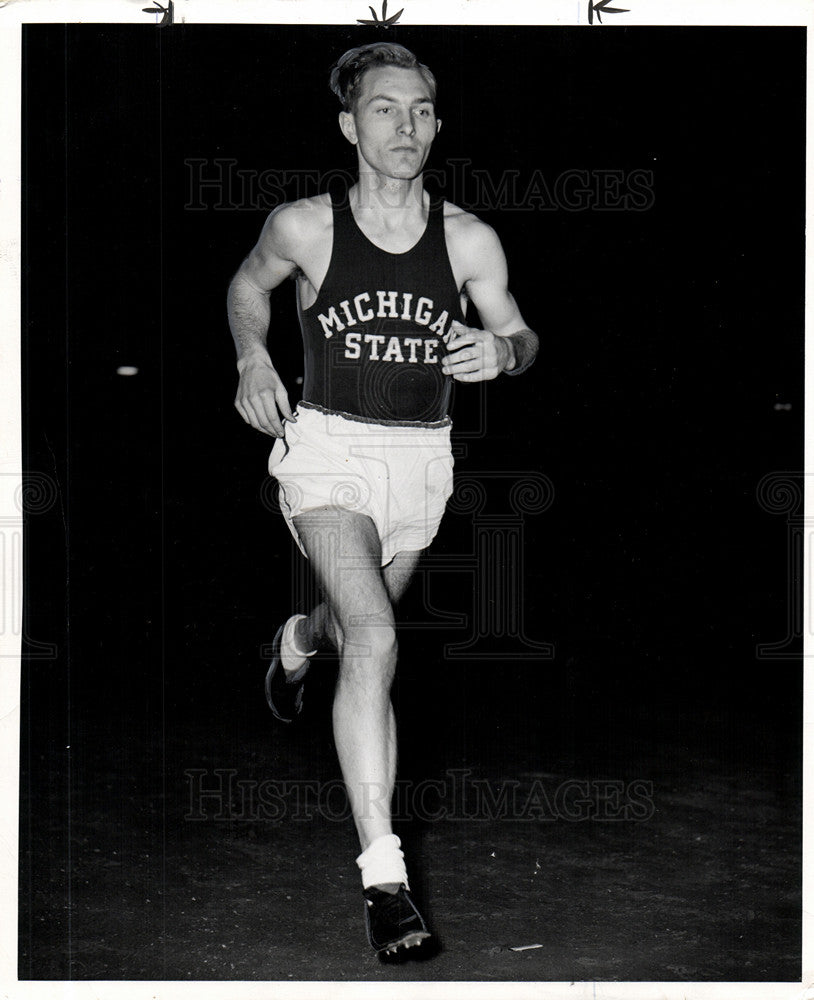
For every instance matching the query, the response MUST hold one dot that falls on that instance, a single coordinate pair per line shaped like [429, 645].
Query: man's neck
[388, 199]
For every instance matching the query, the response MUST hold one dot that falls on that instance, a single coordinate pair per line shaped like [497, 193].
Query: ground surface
[155, 881]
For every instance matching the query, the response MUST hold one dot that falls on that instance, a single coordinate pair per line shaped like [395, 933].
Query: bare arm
[261, 397]
[506, 344]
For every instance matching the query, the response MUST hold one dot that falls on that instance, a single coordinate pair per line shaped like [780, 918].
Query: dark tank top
[374, 337]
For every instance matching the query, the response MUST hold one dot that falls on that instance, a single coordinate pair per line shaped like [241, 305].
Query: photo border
[335, 12]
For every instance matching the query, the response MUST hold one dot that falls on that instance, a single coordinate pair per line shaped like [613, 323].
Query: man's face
[393, 123]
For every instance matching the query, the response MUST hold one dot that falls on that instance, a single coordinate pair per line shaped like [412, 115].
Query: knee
[372, 644]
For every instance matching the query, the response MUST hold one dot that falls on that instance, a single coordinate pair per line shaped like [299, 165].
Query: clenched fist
[475, 355]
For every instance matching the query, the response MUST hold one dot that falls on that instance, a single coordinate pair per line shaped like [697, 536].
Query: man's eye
[384, 111]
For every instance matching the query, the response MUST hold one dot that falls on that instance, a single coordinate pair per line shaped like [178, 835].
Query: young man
[364, 464]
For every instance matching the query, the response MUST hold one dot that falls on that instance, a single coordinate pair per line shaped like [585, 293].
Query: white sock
[383, 862]
[291, 657]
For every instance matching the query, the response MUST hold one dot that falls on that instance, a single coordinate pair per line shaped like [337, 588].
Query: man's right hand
[261, 397]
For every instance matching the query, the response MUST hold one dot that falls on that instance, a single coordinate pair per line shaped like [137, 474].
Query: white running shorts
[400, 476]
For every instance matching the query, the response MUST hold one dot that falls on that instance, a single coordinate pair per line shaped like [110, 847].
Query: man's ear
[348, 126]
[437, 125]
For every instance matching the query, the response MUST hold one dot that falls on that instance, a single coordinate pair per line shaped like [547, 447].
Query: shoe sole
[411, 940]
[269, 702]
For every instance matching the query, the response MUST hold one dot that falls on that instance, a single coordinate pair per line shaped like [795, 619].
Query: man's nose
[406, 125]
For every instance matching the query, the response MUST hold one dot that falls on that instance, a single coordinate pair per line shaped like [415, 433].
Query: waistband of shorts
[421, 425]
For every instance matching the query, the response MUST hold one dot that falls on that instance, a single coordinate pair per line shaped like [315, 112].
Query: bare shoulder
[471, 240]
[295, 227]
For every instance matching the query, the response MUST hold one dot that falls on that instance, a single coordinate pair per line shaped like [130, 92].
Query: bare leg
[319, 626]
[345, 553]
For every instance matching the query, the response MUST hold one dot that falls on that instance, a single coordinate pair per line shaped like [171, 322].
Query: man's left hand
[475, 355]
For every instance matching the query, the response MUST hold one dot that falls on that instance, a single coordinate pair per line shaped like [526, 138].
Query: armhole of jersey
[442, 235]
[335, 210]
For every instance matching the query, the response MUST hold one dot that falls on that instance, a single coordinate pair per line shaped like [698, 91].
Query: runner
[364, 463]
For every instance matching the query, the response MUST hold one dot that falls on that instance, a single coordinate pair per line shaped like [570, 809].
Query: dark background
[669, 384]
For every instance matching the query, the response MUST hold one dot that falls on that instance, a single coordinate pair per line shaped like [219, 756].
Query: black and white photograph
[411, 524]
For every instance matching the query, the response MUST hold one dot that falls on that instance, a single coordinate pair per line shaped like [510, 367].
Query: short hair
[348, 70]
